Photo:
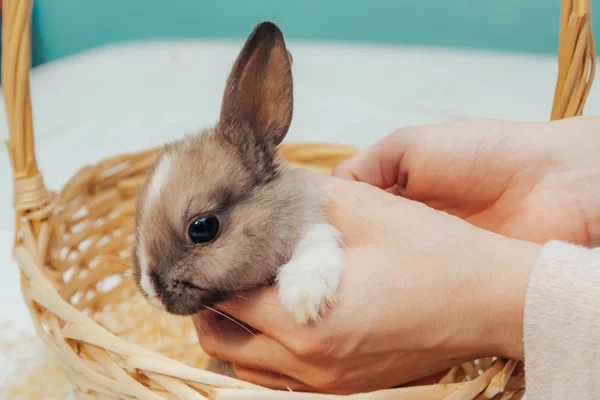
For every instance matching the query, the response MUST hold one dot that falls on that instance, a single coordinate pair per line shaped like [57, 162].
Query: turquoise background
[64, 27]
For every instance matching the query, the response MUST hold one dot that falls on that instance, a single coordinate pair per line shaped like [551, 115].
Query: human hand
[528, 181]
[421, 291]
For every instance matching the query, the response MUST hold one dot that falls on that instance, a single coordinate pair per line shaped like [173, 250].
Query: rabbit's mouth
[186, 300]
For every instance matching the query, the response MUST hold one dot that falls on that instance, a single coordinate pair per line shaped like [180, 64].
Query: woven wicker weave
[72, 247]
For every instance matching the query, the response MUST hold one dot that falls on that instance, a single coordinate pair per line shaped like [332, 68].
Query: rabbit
[220, 215]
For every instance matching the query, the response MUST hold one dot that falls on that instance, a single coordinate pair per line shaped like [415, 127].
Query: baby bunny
[219, 215]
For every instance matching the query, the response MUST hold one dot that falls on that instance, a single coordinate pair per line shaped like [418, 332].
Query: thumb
[381, 164]
[349, 194]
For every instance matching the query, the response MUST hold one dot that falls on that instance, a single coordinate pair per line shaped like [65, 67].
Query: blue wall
[63, 27]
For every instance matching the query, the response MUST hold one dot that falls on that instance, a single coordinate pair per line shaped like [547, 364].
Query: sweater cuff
[562, 324]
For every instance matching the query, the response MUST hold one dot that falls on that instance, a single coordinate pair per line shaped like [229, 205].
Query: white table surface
[132, 96]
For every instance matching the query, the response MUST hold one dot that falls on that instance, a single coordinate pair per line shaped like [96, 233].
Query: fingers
[271, 380]
[345, 193]
[227, 340]
[358, 210]
[380, 165]
[263, 310]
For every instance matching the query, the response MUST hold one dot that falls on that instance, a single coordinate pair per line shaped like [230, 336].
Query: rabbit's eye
[204, 229]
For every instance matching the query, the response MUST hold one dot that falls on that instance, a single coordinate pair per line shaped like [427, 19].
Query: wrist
[509, 263]
[489, 297]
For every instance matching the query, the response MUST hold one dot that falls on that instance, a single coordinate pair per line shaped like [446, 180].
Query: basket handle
[576, 59]
[30, 193]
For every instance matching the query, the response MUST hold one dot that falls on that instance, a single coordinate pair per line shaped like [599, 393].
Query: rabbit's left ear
[258, 97]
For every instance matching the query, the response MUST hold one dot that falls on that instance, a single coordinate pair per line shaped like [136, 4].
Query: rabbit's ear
[258, 97]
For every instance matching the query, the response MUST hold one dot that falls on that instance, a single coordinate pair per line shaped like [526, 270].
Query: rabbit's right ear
[258, 98]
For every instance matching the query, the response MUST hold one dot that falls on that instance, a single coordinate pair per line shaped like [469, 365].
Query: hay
[30, 370]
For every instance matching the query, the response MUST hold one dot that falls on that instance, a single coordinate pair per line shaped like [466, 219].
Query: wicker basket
[72, 248]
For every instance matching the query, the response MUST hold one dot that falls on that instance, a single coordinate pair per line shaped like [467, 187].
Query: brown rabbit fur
[273, 228]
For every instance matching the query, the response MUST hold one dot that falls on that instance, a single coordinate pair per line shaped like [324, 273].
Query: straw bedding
[30, 370]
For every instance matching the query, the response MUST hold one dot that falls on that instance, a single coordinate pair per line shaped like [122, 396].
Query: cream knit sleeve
[562, 324]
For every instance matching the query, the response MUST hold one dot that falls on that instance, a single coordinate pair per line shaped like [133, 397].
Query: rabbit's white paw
[308, 282]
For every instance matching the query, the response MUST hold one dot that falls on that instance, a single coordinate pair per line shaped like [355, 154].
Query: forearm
[541, 304]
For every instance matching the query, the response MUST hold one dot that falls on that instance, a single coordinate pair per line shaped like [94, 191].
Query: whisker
[232, 320]
[260, 302]
[216, 331]
[204, 327]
